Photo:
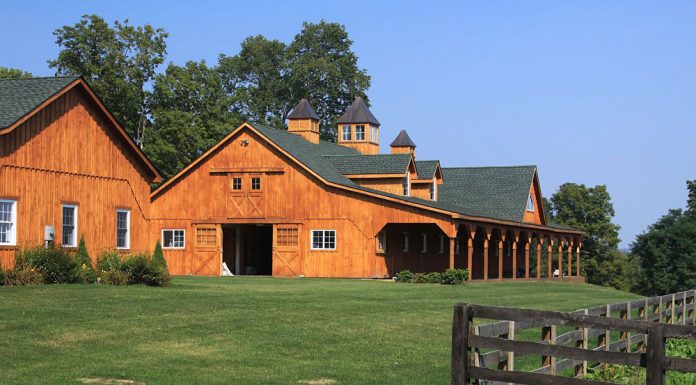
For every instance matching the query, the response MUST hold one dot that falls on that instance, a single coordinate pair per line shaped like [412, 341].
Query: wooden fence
[640, 329]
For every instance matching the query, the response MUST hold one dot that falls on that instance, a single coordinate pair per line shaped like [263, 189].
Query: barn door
[207, 253]
[246, 196]
[287, 257]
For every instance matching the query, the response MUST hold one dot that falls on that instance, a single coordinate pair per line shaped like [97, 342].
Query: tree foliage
[667, 251]
[13, 73]
[118, 62]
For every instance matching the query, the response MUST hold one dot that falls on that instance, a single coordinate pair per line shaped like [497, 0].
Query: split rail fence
[630, 333]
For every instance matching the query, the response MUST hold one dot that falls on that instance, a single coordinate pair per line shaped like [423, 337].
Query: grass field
[250, 330]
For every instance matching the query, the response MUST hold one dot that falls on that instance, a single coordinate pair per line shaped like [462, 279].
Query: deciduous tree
[13, 73]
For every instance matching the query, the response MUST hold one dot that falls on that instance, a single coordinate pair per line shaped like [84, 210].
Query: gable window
[123, 229]
[406, 185]
[382, 241]
[530, 203]
[8, 222]
[69, 226]
[360, 132]
[236, 183]
[441, 248]
[347, 132]
[405, 248]
[173, 238]
[256, 183]
[323, 239]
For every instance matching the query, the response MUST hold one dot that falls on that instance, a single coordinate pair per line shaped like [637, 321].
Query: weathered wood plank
[526, 378]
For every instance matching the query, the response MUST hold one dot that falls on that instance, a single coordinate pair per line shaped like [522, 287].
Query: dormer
[385, 172]
[429, 178]
[303, 121]
[403, 144]
[359, 129]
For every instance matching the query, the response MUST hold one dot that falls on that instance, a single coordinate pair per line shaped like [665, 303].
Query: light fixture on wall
[245, 142]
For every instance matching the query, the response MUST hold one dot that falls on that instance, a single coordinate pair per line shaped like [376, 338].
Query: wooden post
[485, 259]
[539, 258]
[451, 252]
[500, 255]
[550, 257]
[577, 262]
[460, 347]
[670, 306]
[655, 371]
[511, 355]
[548, 333]
[515, 239]
[626, 315]
[470, 256]
[643, 315]
[560, 258]
[581, 369]
[526, 257]
[570, 259]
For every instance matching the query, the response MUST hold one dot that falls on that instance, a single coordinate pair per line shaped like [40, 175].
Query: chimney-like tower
[304, 121]
[403, 144]
[359, 129]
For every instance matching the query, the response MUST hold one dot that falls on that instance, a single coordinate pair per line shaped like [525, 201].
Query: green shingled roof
[426, 168]
[18, 97]
[371, 164]
[493, 192]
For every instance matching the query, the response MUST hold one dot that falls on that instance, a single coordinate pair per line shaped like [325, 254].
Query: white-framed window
[360, 132]
[382, 241]
[8, 222]
[323, 239]
[173, 238]
[424, 243]
[374, 134]
[69, 237]
[530, 203]
[123, 229]
[441, 247]
[406, 185]
[433, 190]
[347, 133]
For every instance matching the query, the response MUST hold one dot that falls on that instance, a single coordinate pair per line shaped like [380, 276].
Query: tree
[691, 201]
[590, 210]
[267, 78]
[118, 62]
[190, 113]
[12, 73]
[84, 263]
[667, 251]
[158, 256]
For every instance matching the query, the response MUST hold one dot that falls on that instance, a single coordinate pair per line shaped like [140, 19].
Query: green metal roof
[426, 168]
[371, 164]
[18, 97]
[492, 192]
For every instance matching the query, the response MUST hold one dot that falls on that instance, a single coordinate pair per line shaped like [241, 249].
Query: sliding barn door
[287, 257]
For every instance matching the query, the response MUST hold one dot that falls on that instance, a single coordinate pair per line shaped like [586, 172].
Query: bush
[114, 277]
[144, 270]
[55, 264]
[86, 272]
[419, 278]
[454, 276]
[2, 275]
[158, 256]
[433, 278]
[108, 261]
[23, 275]
[404, 276]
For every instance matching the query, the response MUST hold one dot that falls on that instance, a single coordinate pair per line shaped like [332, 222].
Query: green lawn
[250, 330]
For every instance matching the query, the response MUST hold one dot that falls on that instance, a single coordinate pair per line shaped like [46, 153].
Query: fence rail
[644, 324]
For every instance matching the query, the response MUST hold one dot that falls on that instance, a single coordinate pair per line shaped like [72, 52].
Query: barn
[68, 167]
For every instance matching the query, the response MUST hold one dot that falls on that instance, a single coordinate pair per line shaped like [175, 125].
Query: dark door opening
[248, 249]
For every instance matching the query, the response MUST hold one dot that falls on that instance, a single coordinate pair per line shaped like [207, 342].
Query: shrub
[404, 276]
[108, 261]
[433, 278]
[2, 275]
[86, 272]
[55, 264]
[158, 256]
[114, 277]
[419, 278]
[454, 276]
[143, 270]
[23, 275]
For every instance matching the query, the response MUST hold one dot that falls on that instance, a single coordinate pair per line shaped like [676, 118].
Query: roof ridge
[43, 77]
[473, 167]
[254, 124]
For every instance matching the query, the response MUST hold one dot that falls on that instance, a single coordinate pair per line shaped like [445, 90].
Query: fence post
[548, 333]
[659, 310]
[693, 308]
[581, 369]
[643, 314]
[511, 355]
[626, 315]
[460, 344]
[655, 372]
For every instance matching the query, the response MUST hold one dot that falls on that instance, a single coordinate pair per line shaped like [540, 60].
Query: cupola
[359, 129]
[303, 121]
[403, 144]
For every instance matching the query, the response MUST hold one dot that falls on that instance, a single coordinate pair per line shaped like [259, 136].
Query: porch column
[528, 240]
[577, 263]
[514, 255]
[539, 257]
[470, 252]
[550, 257]
[570, 258]
[560, 257]
[500, 255]
[451, 252]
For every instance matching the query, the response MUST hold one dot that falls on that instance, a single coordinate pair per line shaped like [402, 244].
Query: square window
[69, 238]
[206, 236]
[360, 132]
[174, 239]
[323, 240]
[256, 183]
[236, 183]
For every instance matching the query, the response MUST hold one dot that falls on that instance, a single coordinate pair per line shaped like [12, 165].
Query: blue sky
[593, 92]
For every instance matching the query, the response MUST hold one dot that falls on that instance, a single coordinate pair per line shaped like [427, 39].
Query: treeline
[661, 260]
[177, 114]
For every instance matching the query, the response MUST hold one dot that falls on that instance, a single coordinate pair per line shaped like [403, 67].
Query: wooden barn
[67, 165]
[281, 202]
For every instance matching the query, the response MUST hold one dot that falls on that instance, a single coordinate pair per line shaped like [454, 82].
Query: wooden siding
[293, 196]
[388, 185]
[70, 152]
[534, 216]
